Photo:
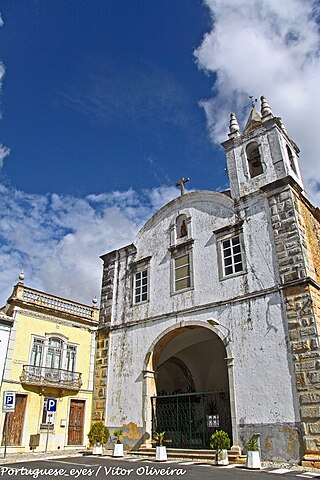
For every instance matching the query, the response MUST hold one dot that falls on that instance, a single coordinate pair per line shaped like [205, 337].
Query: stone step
[189, 454]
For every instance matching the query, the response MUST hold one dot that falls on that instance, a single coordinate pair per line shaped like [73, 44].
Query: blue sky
[106, 103]
[103, 95]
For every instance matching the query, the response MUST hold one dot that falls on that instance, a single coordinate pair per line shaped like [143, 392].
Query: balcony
[26, 297]
[50, 377]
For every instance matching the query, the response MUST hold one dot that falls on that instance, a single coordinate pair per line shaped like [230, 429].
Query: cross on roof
[181, 184]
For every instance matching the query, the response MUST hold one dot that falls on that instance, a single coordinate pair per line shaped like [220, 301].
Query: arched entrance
[189, 394]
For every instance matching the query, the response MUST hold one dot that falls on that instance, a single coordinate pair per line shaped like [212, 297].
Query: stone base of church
[236, 449]
[279, 442]
[146, 445]
[311, 461]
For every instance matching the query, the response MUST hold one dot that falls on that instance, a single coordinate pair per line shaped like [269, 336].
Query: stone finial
[266, 111]
[94, 301]
[234, 126]
[21, 277]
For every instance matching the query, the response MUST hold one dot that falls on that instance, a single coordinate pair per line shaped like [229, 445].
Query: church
[209, 319]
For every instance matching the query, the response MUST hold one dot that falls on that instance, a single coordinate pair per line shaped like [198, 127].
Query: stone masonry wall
[287, 238]
[102, 338]
[309, 225]
[291, 227]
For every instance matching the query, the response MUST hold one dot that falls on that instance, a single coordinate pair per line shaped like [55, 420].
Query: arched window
[182, 226]
[54, 353]
[291, 159]
[254, 159]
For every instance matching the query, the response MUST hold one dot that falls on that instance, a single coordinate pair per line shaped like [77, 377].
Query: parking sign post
[8, 405]
[51, 407]
[6, 437]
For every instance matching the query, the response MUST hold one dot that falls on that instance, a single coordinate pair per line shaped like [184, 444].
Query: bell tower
[260, 155]
[264, 171]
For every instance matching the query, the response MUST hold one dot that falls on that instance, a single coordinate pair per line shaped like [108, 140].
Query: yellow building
[50, 354]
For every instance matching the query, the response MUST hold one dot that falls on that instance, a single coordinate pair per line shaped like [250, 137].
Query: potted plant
[220, 442]
[161, 450]
[98, 437]
[118, 446]
[253, 454]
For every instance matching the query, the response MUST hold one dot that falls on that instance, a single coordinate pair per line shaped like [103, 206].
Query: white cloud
[4, 152]
[268, 48]
[162, 195]
[57, 240]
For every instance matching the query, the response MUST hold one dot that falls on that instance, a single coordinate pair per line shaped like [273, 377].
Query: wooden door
[75, 427]
[15, 422]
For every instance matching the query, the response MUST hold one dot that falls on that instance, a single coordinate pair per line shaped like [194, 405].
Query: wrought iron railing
[57, 377]
[190, 419]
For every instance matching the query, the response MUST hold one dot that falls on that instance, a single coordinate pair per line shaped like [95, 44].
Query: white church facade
[210, 318]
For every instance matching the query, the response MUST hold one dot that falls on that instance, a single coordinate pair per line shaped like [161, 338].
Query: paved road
[108, 468]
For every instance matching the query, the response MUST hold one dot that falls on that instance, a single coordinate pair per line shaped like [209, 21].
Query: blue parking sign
[9, 401]
[51, 405]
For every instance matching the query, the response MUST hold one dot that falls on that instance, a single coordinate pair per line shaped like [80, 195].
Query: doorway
[192, 387]
[15, 422]
[75, 426]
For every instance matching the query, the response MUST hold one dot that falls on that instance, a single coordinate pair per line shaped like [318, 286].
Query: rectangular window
[70, 364]
[36, 356]
[37, 352]
[182, 272]
[71, 358]
[232, 256]
[140, 287]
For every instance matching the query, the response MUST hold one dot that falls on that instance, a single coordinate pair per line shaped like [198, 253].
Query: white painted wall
[4, 338]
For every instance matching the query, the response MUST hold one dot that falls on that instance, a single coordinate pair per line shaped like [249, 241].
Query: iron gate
[190, 419]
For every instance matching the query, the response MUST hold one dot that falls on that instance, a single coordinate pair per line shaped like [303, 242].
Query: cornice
[56, 320]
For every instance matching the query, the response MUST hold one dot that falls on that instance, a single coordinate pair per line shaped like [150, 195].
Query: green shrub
[159, 440]
[252, 445]
[220, 440]
[99, 433]
[117, 434]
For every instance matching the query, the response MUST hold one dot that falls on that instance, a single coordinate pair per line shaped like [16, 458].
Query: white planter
[161, 454]
[222, 457]
[97, 449]
[253, 460]
[118, 450]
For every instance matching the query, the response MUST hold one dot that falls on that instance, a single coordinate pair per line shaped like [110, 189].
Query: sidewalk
[31, 456]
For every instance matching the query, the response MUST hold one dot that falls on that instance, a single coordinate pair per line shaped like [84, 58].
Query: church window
[182, 272]
[254, 159]
[140, 286]
[232, 256]
[291, 159]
